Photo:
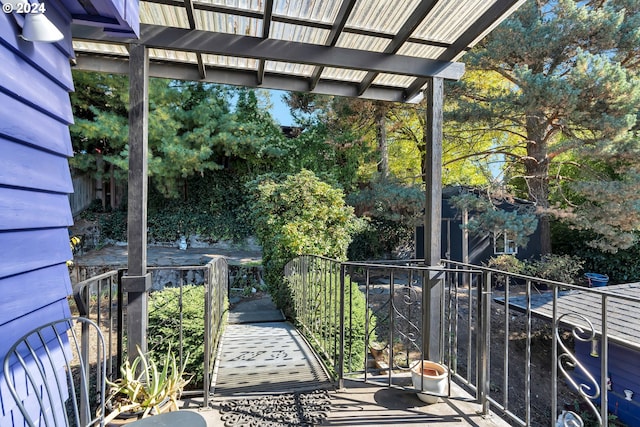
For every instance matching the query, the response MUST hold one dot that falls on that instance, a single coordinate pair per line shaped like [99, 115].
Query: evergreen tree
[192, 129]
[570, 91]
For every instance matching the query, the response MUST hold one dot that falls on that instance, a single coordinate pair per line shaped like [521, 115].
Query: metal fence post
[341, 352]
[209, 288]
[484, 340]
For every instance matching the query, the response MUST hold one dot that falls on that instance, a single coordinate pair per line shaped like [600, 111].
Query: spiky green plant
[145, 385]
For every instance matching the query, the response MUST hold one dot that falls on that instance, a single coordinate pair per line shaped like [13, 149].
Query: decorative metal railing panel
[513, 340]
[187, 310]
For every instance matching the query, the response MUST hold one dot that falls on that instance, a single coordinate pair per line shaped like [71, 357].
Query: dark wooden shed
[480, 247]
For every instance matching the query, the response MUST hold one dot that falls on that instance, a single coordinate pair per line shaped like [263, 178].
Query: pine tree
[570, 91]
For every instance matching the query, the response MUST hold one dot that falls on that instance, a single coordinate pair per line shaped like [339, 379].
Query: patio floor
[366, 405]
[286, 371]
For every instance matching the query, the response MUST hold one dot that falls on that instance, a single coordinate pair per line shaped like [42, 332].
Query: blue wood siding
[35, 181]
[17, 169]
[35, 113]
[23, 209]
[49, 284]
[624, 372]
[45, 57]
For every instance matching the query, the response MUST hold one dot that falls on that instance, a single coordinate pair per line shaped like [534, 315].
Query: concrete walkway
[261, 355]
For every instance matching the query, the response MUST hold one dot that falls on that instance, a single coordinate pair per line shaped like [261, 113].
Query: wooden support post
[433, 286]
[137, 282]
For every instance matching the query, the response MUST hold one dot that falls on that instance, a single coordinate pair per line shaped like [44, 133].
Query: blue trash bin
[596, 280]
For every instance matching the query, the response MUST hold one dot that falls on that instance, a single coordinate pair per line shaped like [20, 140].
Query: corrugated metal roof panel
[361, 42]
[172, 55]
[393, 80]
[228, 24]
[313, 10]
[331, 73]
[230, 61]
[449, 20]
[289, 68]
[374, 37]
[299, 33]
[170, 16]
[421, 50]
[381, 15]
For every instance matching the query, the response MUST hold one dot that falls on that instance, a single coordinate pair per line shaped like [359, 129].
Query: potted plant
[146, 387]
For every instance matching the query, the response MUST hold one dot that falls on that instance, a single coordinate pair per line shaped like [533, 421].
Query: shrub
[560, 268]
[328, 312]
[379, 239]
[113, 225]
[164, 326]
[508, 263]
[621, 267]
[393, 210]
[296, 215]
[354, 334]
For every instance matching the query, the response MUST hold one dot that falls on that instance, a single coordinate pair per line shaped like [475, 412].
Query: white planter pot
[430, 377]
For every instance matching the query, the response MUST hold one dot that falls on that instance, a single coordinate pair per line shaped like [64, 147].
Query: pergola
[390, 50]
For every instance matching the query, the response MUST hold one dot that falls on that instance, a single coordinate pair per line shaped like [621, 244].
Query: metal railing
[316, 290]
[100, 299]
[198, 301]
[510, 339]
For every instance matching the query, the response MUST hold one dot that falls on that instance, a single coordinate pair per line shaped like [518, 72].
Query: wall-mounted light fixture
[36, 27]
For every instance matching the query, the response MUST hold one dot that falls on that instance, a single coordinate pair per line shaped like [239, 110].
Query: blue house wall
[35, 180]
[624, 372]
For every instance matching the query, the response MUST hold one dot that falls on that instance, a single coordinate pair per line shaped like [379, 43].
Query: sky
[280, 110]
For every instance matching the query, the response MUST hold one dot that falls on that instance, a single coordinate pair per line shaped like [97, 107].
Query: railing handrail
[108, 287]
[466, 331]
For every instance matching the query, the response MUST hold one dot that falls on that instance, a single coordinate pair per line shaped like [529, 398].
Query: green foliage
[559, 268]
[192, 131]
[338, 142]
[487, 218]
[567, 93]
[508, 263]
[215, 208]
[101, 125]
[335, 159]
[621, 267]
[256, 144]
[164, 326]
[146, 384]
[464, 155]
[296, 215]
[392, 211]
[390, 201]
[326, 309]
[611, 209]
[113, 225]
[355, 350]
[378, 239]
